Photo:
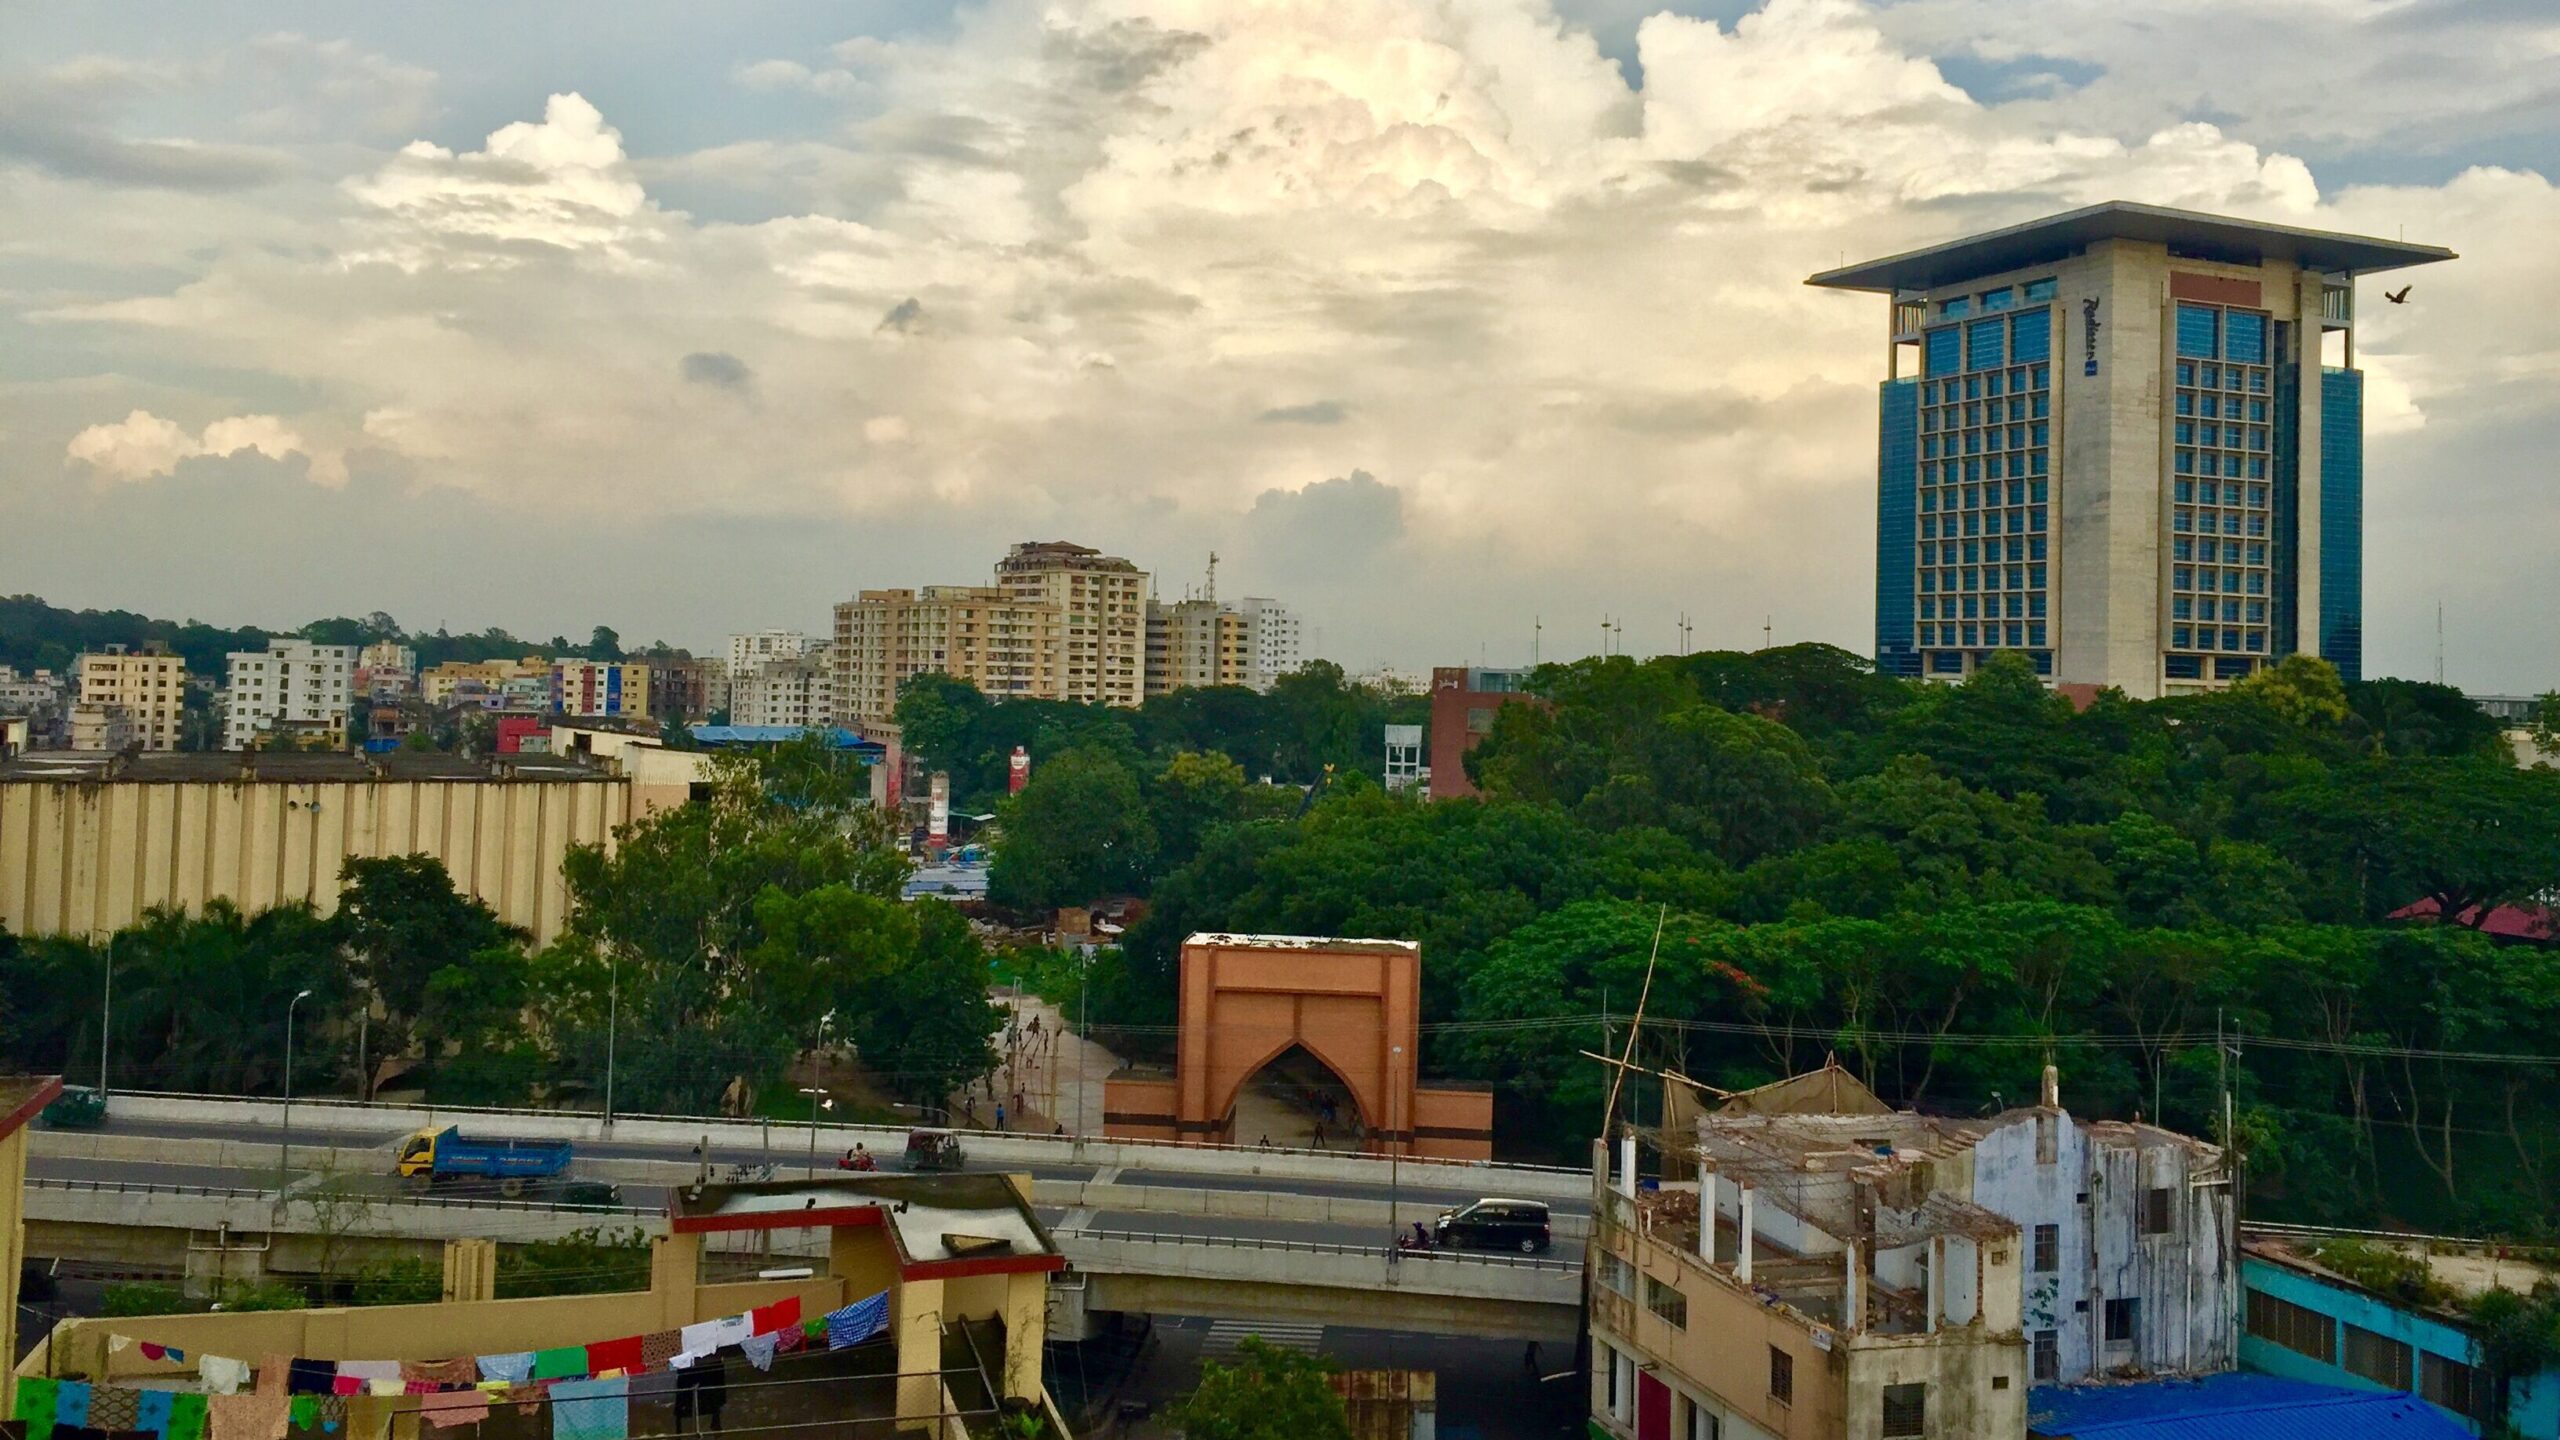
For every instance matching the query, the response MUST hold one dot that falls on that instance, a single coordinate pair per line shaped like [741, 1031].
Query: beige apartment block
[1102, 605]
[438, 685]
[149, 685]
[1006, 646]
[1192, 643]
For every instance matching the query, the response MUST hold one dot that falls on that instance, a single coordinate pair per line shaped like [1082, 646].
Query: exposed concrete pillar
[470, 1270]
[1707, 1212]
[1935, 1288]
[1742, 1251]
[1599, 1168]
[917, 1318]
[1026, 1327]
[1627, 1163]
[675, 1270]
[1853, 1299]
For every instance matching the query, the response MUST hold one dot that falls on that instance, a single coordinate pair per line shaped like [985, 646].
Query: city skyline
[317, 312]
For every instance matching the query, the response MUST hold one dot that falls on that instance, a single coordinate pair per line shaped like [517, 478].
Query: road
[313, 1148]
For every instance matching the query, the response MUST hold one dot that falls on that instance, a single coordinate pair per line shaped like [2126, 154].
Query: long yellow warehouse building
[88, 842]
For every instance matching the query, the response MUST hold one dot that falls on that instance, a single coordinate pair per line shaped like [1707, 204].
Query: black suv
[1491, 1224]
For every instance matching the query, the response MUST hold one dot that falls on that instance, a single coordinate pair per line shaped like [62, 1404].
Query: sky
[1458, 324]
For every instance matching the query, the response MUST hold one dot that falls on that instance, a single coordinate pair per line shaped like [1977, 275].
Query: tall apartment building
[2126, 442]
[291, 686]
[748, 651]
[689, 687]
[1193, 643]
[796, 690]
[1102, 607]
[1010, 648]
[600, 687]
[1271, 640]
[149, 685]
[386, 672]
[443, 684]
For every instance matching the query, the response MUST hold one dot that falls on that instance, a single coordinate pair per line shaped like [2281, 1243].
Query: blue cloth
[71, 1403]
[514, 1369]
[591, 1410]
[151, 1409]
[858, 1321]
[2231, 1406]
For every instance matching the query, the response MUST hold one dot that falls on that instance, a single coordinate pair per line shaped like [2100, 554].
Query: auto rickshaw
[934, 1150]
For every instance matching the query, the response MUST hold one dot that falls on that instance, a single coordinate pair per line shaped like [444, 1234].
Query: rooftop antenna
[1209, 591]
[1537, 632]
[1767, 625]
[1684, 632]
[2439, 642]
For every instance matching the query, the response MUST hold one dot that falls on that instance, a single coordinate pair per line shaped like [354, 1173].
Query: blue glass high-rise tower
[2126, 442]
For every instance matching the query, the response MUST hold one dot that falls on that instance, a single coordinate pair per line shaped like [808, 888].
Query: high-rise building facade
[292, 687]
[2126, 442]
[1102, 608]
[1193, 644]
[793, 690]
[1006, 646]
[600, 687]
[746, 652]
[149, 685]
[1272, 645]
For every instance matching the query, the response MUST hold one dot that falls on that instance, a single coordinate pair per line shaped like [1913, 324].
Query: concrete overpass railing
[992, 1146]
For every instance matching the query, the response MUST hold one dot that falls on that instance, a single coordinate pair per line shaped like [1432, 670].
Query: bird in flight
[2399, 296]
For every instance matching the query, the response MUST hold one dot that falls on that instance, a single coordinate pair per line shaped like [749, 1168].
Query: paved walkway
[1049, 1077]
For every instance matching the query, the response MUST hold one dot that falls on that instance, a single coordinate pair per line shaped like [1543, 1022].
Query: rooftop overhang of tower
[2185, 232]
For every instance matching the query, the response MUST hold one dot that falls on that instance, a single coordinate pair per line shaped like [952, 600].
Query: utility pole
[1768, 626]
[1537, 631]
[106, 1019]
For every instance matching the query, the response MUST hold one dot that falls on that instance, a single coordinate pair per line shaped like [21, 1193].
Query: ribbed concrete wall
[89, 858]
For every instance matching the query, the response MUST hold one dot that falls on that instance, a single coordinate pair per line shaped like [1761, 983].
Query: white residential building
[1271, 640]
[291, 685]
[746, 652]
[794, 690]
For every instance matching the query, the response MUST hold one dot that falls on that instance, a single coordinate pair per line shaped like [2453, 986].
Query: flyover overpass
[188, 1183]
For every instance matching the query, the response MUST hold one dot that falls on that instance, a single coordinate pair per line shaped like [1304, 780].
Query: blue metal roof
[2232, 1406]
[720, 735]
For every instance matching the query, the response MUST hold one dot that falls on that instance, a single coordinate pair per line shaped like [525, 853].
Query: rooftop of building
[2191, 233]
[22, 1098]
[2425, 1273]
[942, 1226]
[2230, 1406]
[65, 767]
[1227, 940]
[1041, 554]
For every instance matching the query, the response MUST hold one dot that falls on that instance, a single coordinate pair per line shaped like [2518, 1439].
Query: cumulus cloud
[143, 445]
[560, 187]
[1166, 250]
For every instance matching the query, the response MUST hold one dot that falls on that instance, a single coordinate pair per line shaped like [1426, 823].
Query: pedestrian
[1319, 1135]
[1530, 1358]
[999, 1114]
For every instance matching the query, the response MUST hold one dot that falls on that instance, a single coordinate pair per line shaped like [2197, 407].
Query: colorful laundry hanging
[567, 1362]
[658, 1347]
[368, 1418]
[734, 1328]
[699, 1339]
[302, 1411]
[759, 1350]
[274, 1374]
[591, 1410]
[606, 1356]
[114, 1407]
[766, 1319]
[441, 1372]
[447, 1408]
[151, 1409]
[189, 1417]
[37, 1398]
[221, 1375]
[71, 1403]
[259, 1415]
[511, 1367]
[369, 1371]
[311, 1377]
[858, 1321]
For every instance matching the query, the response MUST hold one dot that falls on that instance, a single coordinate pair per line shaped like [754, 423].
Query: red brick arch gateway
[1354, 1005]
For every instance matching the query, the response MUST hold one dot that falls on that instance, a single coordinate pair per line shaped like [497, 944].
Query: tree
[1266, 1394]
[925, 1030]
[2468, 835]
[405, 927]
[1079, 830]
[2303, 689]
[604, 644]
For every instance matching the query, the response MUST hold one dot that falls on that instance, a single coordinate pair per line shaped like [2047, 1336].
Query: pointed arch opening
[1296, 1100]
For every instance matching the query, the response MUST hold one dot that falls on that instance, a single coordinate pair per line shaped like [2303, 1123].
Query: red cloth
[776, 1316]
[606, 1356]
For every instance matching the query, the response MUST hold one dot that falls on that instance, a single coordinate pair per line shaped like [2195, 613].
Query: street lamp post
[284, 1150]
[817, 1093]
[612, 1022]
[1395, 1156]
[106, 1019]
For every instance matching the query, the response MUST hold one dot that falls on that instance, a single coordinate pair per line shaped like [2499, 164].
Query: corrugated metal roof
[2231, 1407]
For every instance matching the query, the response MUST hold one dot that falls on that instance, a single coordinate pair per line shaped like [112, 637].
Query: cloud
[1170, 256]
[63, 120]
[143, 445]
[558, 188]
[717, 368]
[904, 318]
[1318, 412]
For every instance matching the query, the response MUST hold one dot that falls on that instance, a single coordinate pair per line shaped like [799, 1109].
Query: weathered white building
[1860, 1274]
